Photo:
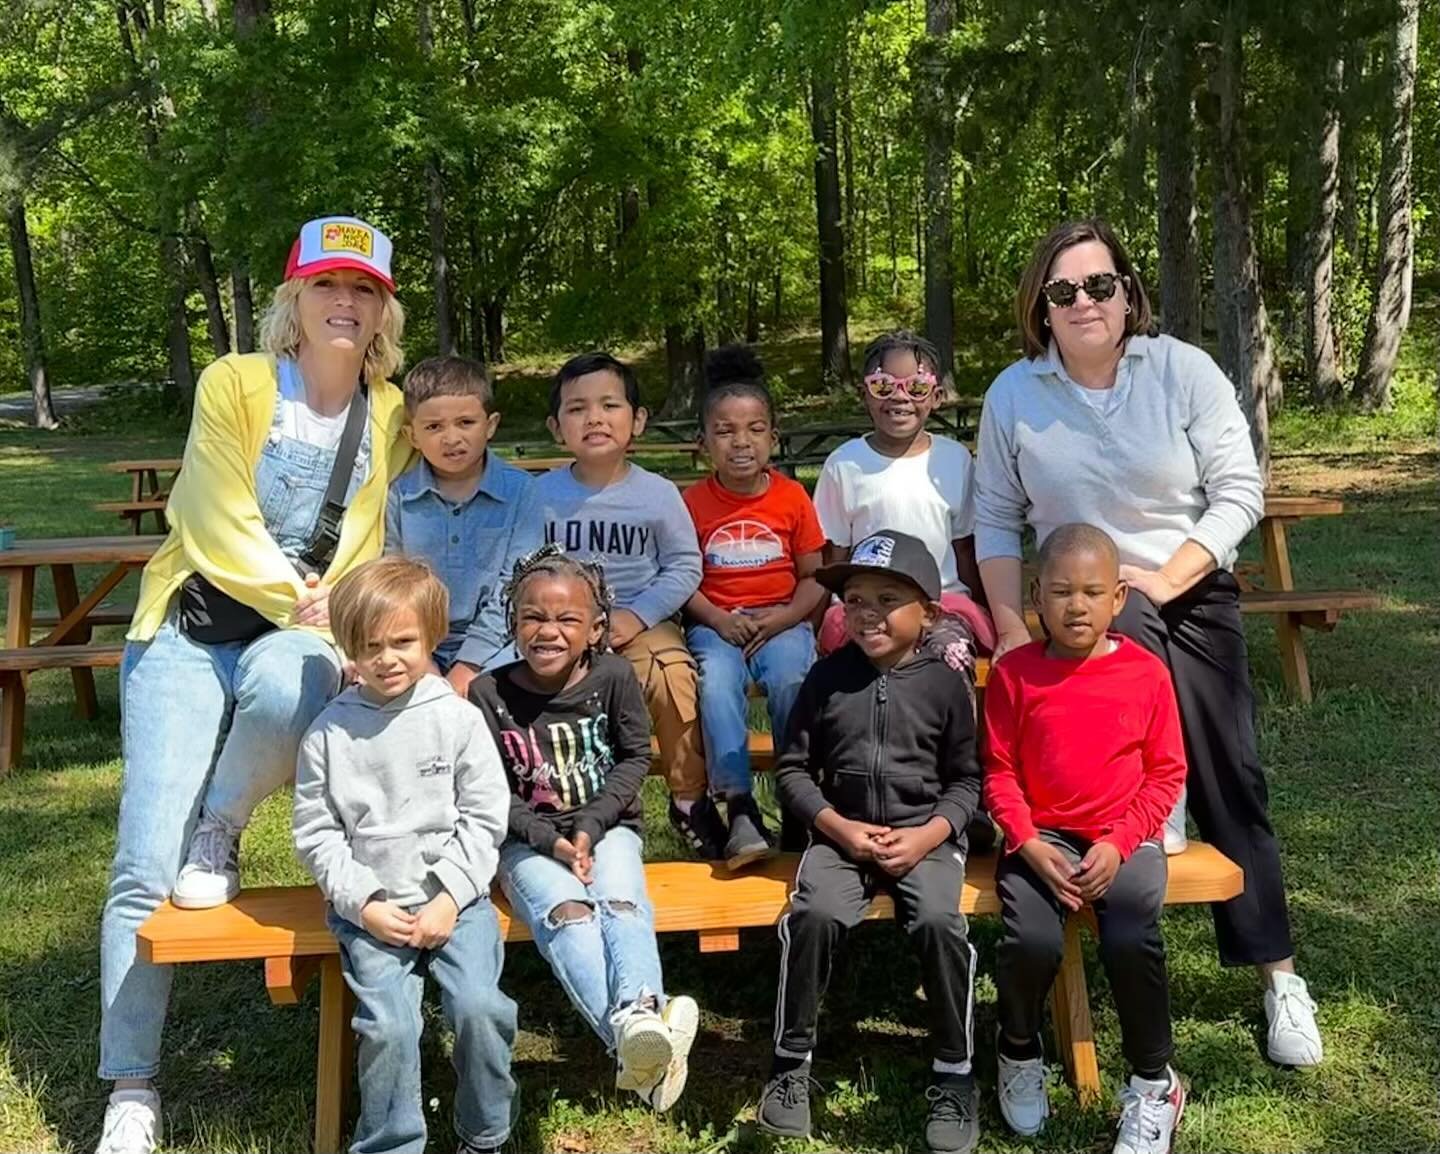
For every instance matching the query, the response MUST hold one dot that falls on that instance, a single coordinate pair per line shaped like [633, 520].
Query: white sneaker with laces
[643, 1047]
[211, 873]
[1024, 1100]
[682, 1019]
[1149, 1114]
[132, 1123]
[1293, 1038]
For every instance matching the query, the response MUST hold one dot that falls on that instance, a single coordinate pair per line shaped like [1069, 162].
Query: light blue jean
[229, 717]
[389, 983]
[779, 667]
[607, 960]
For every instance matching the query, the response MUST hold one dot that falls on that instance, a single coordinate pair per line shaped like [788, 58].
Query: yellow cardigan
[214, 512]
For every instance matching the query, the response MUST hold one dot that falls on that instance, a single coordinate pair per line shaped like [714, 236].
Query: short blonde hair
[365, 598]
[280, 330]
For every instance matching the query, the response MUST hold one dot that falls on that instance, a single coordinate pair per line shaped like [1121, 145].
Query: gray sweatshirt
[401, 799]
[638, 529]
[1162, 457]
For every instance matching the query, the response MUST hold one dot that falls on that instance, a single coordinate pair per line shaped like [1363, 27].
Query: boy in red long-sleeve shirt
[1084, 761]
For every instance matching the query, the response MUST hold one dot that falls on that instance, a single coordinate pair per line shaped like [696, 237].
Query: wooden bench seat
[135, 511]
[285, 927]
[35, 657]
[117, 615]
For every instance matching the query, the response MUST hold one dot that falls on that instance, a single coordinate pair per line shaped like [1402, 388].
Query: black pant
[1201, 638]
[831, 896]
[1131, 948]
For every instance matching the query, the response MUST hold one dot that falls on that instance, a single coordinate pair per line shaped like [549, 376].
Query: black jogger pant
[1201, 638]
[830, 897]
[1131, 948]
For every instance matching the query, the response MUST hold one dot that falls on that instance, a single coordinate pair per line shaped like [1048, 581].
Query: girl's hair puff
[553, 561]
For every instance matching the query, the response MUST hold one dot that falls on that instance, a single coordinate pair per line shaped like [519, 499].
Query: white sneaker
[642, 1047]
[1293, 1038]
[682, 1019]
[1024, 1101]
[1149, 1114]
[132, 1123]
[211, 873]
[1175, 840]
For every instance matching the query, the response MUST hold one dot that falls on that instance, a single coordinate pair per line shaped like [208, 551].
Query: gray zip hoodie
[400, 799]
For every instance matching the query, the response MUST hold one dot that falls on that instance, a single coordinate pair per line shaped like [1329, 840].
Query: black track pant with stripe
[831, 896]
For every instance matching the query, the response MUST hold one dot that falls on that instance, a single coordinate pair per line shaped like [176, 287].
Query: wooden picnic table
[808, 443]
[69, 644]
[148, 493]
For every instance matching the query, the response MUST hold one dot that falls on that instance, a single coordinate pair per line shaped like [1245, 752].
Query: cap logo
[336, 237]
[874, 551]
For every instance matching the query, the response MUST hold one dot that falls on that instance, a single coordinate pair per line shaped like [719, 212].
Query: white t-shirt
[929, 496]
[299, 421]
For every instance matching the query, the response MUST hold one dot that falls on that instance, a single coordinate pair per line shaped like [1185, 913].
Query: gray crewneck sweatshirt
[1161, 457]
[637, 528]
[400, 799]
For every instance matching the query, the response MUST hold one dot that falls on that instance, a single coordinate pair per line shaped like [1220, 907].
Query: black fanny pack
[213, 617]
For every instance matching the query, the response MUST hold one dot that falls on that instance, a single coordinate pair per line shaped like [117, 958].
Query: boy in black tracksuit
[880, 766]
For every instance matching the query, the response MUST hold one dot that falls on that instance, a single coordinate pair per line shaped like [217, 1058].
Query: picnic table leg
[1070, 1008]
[67, 597]
[1293, 662]
[19, 611]
[335, 1058]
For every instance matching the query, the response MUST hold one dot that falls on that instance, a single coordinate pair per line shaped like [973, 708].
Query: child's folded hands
[387, 922]
[434, 922]
[576, 854]
[1055, 870]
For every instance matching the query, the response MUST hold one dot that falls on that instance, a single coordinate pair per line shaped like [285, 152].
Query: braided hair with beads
[553, 561]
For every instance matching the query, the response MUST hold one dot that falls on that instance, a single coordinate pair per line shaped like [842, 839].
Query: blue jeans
[388, 983]
[604, 961]
[778, 667]
[226, 717]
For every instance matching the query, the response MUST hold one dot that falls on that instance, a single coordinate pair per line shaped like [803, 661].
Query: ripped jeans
[606, 959]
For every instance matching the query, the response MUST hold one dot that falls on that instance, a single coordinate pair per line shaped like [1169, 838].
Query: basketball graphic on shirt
[744, 544]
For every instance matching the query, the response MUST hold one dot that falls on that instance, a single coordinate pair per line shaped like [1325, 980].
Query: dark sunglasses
[1098, 286]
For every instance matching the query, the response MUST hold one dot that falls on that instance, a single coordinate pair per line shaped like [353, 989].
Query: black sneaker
[749, 840]
[702, 827]
[785, 1104]
[952, 1126]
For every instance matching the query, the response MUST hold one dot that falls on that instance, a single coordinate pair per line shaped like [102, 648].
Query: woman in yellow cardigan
[229, 656]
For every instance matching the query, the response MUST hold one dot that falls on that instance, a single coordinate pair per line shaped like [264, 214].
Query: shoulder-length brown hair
[1030, 304]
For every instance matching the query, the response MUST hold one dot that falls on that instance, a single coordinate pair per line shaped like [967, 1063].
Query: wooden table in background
[69, 644]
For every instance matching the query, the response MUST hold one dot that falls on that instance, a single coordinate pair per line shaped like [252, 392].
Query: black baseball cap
[895, 554]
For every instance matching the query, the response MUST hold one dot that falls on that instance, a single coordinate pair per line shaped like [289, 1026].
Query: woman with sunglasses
[1104, 422]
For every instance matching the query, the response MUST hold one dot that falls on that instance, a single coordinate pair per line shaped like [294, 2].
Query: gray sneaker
[211, 874]
[785, 1104]
[749, 840]
[953, 1125]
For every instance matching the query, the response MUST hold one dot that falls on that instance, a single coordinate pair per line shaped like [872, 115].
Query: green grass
[1355, 786]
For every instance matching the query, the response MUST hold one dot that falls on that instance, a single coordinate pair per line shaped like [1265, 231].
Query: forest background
[558, 174]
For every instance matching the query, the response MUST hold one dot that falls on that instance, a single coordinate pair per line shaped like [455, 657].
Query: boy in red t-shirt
[1084, 761]
[760, 544]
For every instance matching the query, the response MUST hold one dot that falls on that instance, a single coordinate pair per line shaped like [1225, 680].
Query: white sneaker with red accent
[1149, 1114]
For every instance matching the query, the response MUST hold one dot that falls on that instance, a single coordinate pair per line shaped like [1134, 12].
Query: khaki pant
[668, 678]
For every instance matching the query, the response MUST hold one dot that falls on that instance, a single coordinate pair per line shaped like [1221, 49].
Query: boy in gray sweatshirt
[401, 804]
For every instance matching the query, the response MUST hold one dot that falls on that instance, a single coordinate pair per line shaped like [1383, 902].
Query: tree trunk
[776, 301]
[203, 261]
[32, 332]
[1351, 127]
[1320, 363]
[1390, 313]
[177, 318]
[1299, 206]
[435, 210]
[244, 305]
[834, 320]
[847, 145]
[684, 358]
[1246, 352]
[494, 311]
[1175, 178]
[752, 310]
[937, 116]
[891, 225]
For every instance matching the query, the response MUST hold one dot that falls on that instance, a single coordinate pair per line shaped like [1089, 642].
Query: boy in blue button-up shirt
[462, 509]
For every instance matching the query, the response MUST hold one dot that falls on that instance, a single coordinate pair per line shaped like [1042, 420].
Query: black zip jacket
[894, 748]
